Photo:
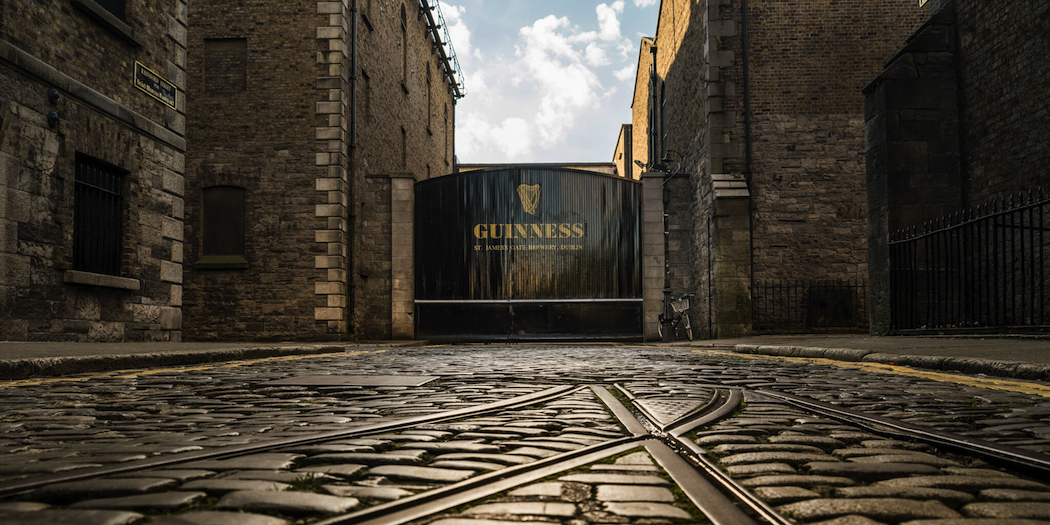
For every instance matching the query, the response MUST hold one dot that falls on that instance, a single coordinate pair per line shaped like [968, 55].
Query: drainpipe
[352, 190]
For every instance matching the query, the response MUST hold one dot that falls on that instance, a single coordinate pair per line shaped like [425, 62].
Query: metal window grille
[978, 270]
[98, 217]
[787, 306]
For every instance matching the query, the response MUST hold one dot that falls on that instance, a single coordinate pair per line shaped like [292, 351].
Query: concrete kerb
[989, 367]
[13, 369]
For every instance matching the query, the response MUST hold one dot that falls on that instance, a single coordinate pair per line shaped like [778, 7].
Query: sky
[546, 80]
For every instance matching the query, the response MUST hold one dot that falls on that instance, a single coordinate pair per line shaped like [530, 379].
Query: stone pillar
[402, 260]
[652, 253]
[732, 264]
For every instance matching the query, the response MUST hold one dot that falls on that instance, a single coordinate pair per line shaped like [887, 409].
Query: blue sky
[547, 80]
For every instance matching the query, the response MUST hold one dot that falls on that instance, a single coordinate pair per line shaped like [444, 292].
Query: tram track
[671, 435]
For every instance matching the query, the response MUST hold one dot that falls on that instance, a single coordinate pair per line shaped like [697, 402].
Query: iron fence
[982, 269]
[801, 306]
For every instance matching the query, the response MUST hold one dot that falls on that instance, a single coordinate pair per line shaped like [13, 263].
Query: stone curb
[11, 369]
[989, 367]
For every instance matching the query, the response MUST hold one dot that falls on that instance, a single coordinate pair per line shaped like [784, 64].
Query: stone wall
[259, 135]
[99, 115]
[768, 130]
[808, 65]
[1004, 74]
[308, 137]
[374, 266]
[640, 108]
[406, 128]
[955, 120]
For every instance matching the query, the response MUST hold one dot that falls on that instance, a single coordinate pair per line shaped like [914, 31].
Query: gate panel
[528, 253]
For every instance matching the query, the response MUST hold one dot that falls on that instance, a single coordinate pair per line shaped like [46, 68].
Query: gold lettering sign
[155, 86]
[530, 197]
[562, 230]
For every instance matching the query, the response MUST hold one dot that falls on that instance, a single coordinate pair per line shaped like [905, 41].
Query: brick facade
[768, 131]
[68, 98]
[309, 138]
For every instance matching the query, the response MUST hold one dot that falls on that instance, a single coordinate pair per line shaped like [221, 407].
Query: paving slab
[291, 503]
[883, 509]
[163, 501]
[94, 489]
[525, 508]
[69, 517]
[633, 493]
[218, 518]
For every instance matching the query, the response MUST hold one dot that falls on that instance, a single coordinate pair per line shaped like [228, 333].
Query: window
[663, 120]
[366, 13]
[429, 110]
[222, 228]
[98, 216]
[225, 64]
[366, 102]
[404, 49]
[448, 139]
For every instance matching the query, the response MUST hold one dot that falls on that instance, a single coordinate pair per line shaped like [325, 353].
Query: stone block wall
[809, 62]
[405, 128]
[374, 264]
[101, 115]
[954, 121]
[1004, 74]
[261, 128]
[309, 138]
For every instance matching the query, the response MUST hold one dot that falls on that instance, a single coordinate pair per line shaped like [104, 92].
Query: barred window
[98, 216]
[223, 228]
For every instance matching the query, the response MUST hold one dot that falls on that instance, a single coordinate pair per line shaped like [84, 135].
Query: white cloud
[457, 28]
[625, 47]
[608, 23]
[474, 134]
[595, 55]
[625, 74]
[567, 86]
[528, 102]
[644, 3]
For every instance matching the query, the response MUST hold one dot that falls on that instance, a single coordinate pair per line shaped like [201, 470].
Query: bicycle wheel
[687, 327]
[660, 327]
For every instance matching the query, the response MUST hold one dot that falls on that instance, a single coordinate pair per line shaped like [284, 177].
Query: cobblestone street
[489, 435]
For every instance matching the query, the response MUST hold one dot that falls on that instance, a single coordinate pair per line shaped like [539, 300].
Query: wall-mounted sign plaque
[155, 86]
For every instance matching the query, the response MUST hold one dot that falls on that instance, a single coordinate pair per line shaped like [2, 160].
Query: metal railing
[790, 306]
[982, 269]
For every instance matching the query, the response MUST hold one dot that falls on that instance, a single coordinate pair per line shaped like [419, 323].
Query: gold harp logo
[530, 197]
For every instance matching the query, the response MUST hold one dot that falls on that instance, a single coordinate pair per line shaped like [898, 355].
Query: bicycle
[679, 317]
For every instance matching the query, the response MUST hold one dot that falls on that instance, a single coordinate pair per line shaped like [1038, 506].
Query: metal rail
[22, 485]
[1016, 458]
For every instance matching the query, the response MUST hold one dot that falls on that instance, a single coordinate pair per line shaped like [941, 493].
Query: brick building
[959, 117]
[311, 122]
[752, 114]
[92, 157]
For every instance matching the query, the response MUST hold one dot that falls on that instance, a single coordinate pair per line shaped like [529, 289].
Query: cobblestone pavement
[492, 435]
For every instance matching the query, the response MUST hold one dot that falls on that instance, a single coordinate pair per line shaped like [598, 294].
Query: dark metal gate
[528, 253]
